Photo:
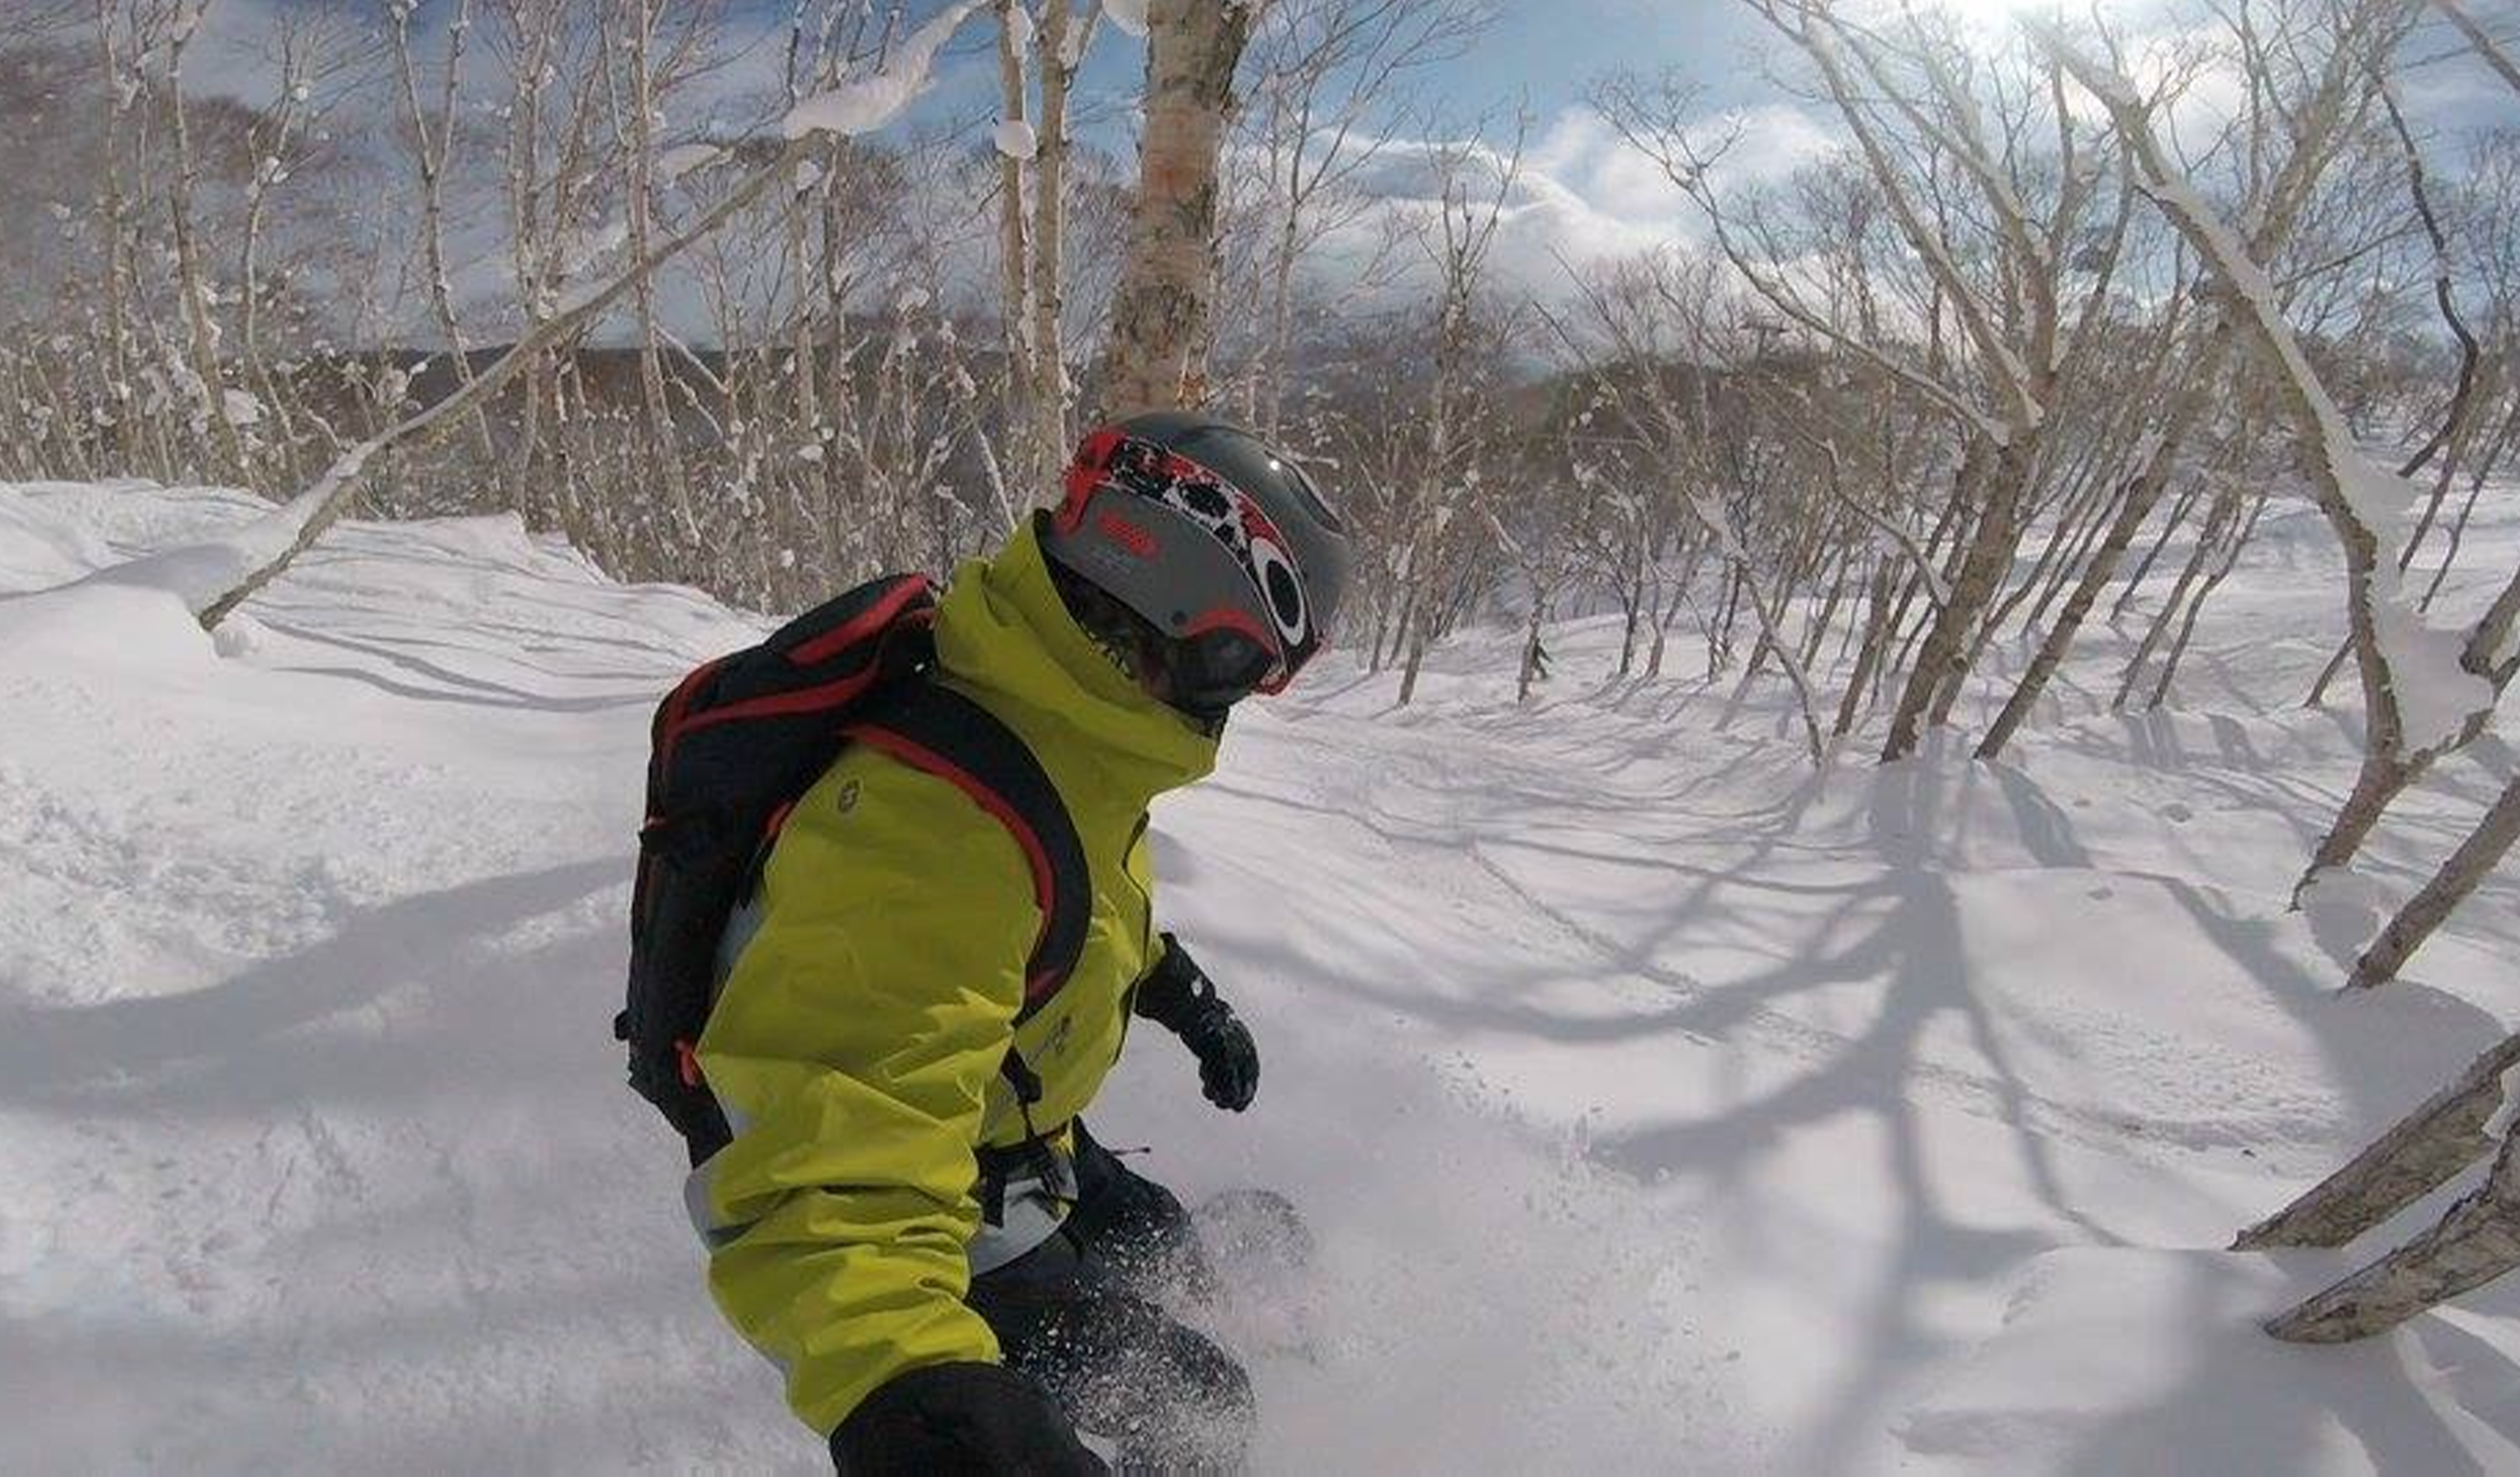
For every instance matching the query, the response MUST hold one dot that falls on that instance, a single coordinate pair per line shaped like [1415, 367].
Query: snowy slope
[1661, 1106]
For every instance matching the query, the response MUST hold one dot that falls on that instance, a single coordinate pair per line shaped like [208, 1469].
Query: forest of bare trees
[1901, 430]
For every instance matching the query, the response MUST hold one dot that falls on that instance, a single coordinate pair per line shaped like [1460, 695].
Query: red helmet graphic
[1218, 542]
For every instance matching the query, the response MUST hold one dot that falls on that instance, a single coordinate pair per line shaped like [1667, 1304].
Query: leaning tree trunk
[2217, 523]
[2338, 473]
[2478, 1241]
[2142, 570]
[2136, 505]
[2429, 908]
[1944, 656]
[1155, 358]
[2383, 778]
[2443, 1136]
[2196, 607]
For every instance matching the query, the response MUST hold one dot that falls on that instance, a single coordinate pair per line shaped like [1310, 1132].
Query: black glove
[960, 1418]
[1178, 996]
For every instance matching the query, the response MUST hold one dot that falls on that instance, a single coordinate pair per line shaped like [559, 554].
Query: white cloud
[1582, 195]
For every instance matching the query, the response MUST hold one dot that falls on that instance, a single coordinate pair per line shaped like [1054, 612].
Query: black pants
[1078, 1313]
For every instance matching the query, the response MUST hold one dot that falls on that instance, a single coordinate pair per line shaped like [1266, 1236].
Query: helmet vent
[1284, 598]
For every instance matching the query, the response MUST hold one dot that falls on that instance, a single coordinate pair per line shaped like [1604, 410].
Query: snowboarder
[872, 1046]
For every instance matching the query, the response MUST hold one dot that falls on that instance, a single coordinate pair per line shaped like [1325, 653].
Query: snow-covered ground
[1661, 1106]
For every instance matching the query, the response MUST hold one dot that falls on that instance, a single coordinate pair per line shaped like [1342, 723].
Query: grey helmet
[1218, 542]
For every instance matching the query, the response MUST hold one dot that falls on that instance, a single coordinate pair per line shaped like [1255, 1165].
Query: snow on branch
[1016, 140]
[2413, 670]
[866, 103]
[2026, 403]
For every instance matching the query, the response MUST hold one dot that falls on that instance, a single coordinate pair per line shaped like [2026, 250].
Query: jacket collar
[1003, 632]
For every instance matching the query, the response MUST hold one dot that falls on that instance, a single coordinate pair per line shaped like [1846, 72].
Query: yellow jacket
[857, 1040]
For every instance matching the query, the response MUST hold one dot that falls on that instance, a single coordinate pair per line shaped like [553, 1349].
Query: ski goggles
[1213, 670]
[1257, 637]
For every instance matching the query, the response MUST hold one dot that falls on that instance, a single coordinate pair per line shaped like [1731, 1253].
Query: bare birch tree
[1156, 355]
[1473, 184]
[206, 380]
[1038, 62]
[1324, 72]
[1903, 92]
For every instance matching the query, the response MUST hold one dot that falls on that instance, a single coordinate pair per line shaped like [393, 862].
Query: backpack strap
[934, 729]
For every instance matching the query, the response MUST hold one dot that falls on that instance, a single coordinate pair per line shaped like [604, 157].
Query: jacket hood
[1003, 632]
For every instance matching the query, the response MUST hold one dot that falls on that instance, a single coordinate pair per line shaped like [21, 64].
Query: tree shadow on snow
[237, 1034]
[1898, 927]
[2246, 1403]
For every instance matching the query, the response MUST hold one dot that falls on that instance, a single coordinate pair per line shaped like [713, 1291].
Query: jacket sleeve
[855, 1037]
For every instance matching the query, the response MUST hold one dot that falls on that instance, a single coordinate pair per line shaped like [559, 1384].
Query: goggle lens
[1216, 668]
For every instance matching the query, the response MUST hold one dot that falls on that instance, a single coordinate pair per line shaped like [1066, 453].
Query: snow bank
[1658, 1106]
[36, 550]
[128, 632]
[200, 571]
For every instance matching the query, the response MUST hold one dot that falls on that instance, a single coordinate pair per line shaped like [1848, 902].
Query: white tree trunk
[1156, 357]
[1063, 35]
[2477, 1242]
[2418, 1155]
[2459, 876]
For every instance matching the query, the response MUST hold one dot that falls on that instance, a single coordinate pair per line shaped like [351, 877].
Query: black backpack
[733, 747]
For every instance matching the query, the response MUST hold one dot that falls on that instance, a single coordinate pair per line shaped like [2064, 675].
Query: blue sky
[1548, 51]
[1555, 48]
[1545, 50]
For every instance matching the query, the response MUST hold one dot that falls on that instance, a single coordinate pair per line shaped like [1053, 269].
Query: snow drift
[1659, 1107]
